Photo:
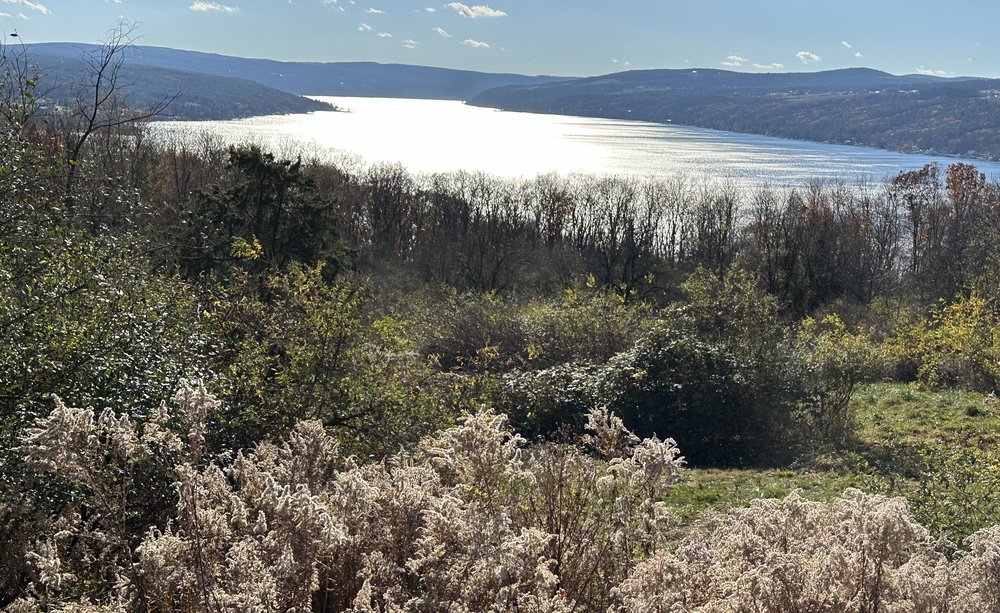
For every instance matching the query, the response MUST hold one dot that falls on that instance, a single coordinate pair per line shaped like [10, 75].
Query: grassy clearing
[938, 448]
[909, 415]
[703, 489]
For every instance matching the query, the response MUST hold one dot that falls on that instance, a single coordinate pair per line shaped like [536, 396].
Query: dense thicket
[368, 309]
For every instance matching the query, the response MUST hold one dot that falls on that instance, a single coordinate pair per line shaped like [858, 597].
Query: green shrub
[831, 363]
[713, 372]
[471, 331]
[957, 345]
[586, 325]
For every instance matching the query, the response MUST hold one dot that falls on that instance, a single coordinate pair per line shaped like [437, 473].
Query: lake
[441, 136]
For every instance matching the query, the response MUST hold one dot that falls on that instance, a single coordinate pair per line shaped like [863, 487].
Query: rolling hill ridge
[912, 113]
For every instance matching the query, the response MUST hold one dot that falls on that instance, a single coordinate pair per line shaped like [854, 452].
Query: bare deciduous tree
[101, 104]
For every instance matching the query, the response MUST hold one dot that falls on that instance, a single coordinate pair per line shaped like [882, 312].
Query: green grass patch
[940, 449]
[703, 489]
[909, 414]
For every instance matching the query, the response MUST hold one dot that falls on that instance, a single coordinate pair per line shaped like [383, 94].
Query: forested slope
[912, 113]
[319, 78]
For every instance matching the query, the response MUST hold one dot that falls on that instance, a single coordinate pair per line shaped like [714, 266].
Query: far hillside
[910, 113]
[320, 78]
[63, 77]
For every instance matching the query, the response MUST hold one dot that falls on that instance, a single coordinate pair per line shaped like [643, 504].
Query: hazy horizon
[804, 70]
[553, 38]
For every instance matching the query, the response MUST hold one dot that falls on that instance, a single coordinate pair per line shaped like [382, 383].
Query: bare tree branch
[101, 104]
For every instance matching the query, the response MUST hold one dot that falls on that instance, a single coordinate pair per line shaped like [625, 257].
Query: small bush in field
[832, 363]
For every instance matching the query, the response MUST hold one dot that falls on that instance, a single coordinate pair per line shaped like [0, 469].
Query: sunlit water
[443, 136]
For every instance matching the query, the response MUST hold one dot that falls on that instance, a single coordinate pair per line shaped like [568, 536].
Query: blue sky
[565, 37]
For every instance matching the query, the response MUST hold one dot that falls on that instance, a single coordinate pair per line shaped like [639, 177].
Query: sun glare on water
[429, 136]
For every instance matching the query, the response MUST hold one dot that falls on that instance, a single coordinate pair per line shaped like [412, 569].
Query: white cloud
[772, 66]
[475, 44]
[212, 6]
[410, 44]
[364, 28]
[846, 44]
[808, 56]
[441, 32]
[384, 35]
[858, 55]
[934, 73]
[735, 61]
[430, 9]
[472, 12]
[375, 11]
[35, 6]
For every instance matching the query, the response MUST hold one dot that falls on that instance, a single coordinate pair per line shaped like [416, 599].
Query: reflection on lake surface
[443, 136]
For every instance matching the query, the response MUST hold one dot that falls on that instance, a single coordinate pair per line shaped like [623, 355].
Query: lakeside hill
[910, 113]
[199, 96]
[320, 78]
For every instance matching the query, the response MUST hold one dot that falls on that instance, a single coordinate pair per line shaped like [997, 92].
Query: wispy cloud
[473, 12]
[384, 35]
[734, 61]
[849, 46]
[364, 27]
[808, 56]
[375, 11]
[441, 32]
[772, 66]
[211, 6]
[35, 6]
[475, 44]
[410, 44]
[430, 9]
[934, 73]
